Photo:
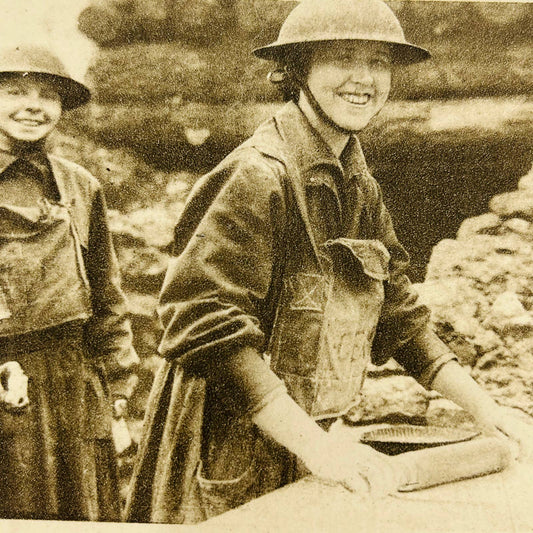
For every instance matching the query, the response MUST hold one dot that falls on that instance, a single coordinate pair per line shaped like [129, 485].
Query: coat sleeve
[108, 332]
[404, 330]
[214, 297]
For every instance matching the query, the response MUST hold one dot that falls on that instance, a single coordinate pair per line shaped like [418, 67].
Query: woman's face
[30, 108]
[350, 80]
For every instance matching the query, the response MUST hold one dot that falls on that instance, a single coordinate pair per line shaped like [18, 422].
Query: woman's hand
[518, 427]
[120, 408]
[336, 455]
[13, 387]
[358, 467]
[455, 384]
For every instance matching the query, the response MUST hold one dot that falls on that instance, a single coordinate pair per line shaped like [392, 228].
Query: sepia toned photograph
[266, 265]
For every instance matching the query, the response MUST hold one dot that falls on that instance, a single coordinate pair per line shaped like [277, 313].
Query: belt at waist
[35, 340]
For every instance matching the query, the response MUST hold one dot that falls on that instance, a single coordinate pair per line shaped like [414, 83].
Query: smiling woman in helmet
[287, 280]
[65, 337]
[350, 82]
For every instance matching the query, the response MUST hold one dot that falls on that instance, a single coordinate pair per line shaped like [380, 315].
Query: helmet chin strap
[315, 105]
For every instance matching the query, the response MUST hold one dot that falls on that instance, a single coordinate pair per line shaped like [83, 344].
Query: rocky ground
[479, 287]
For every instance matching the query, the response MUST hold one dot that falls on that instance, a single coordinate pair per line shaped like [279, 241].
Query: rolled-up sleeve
[404, 330]
[212, 302]
[423, 356]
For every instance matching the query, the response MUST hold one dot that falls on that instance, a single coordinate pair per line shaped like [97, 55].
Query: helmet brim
[73, 94]
[402, 53]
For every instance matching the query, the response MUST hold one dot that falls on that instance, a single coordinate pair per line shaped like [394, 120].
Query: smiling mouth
[356, 99]
[30, 122]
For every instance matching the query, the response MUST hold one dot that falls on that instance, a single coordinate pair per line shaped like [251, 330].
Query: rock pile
[479, 287]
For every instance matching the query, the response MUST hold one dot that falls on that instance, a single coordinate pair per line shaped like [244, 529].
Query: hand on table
[356, 466]
[519, 430]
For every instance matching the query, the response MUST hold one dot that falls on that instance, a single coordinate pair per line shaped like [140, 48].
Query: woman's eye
[14, 91]
[49, 95]
[381, 63]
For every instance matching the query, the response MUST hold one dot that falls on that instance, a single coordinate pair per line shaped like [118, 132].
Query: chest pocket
[326, 322]
[43, 282]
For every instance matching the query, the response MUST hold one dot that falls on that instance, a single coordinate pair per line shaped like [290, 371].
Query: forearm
[108, 332]
[334, 455]
[288, 424]
[453, 382]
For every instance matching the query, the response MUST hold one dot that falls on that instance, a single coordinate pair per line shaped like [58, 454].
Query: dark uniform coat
[63, 319]
[281, 254]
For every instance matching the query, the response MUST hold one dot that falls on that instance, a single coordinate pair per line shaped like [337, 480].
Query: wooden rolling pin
[444, 464]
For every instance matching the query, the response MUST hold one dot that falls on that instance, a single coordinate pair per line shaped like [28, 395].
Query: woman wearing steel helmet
[287, 280]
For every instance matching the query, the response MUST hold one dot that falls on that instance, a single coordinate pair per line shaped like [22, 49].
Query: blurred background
[176, 88]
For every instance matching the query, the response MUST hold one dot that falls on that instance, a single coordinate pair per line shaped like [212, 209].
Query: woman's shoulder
[73, 172]
[262, 159]
[251, 165]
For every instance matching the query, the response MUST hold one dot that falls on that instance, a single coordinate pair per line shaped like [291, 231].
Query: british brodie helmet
[336, 20]
[38, 60]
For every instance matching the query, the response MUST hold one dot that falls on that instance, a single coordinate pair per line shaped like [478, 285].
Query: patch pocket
[306, 292]
[360, 268]
[296, 332]
[371, 255]
[220, 495]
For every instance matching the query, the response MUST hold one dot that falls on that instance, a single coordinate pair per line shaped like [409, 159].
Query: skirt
[197, 458]
[57, 459]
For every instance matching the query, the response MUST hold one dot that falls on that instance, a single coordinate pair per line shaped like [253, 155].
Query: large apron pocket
[42, 277]
[370, 255]
[220, 495]
[326, 323]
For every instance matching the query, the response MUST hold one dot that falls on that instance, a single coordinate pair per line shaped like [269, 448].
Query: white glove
[13, 386]
[120, 408]
[518, 427]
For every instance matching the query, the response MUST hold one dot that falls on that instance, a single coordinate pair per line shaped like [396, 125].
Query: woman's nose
[361, 73]
[33, 100]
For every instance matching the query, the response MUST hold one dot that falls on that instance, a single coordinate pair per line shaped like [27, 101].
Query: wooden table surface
[497, 503]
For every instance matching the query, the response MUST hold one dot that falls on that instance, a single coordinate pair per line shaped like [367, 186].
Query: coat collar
[37, 158]
[289, 138]
[308, 148]
[309, 151]
[6, 159]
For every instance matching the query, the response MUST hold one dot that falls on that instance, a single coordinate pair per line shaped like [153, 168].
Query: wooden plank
[498, 503]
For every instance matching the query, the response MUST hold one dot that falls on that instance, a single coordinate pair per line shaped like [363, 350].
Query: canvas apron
[49, 449]
[320, 347]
